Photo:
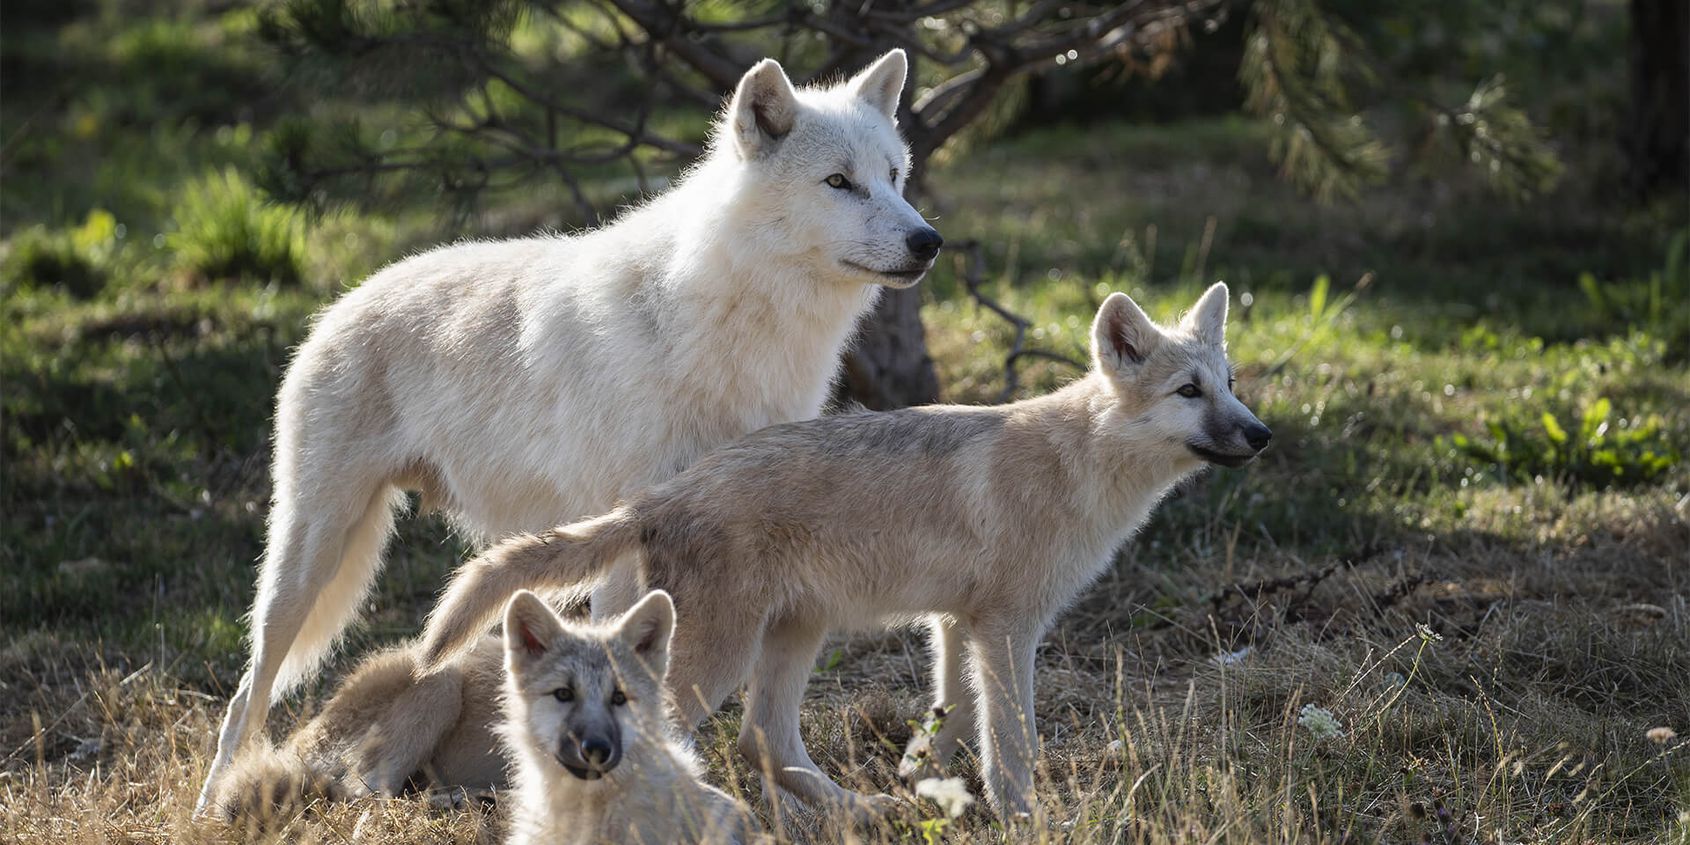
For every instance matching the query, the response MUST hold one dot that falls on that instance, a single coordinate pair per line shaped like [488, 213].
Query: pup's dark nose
[924, 243]
[597, 752]
[1257, 435]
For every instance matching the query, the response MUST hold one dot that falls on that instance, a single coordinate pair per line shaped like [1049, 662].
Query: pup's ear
[1208, 320]
[531, 629]
[763, 109]
[1122, 336]
[882, 83]
[647, 627]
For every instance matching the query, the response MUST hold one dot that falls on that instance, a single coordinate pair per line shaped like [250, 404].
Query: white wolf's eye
[839, 181]
[1189, 391]
[894, 175]
[564, 694]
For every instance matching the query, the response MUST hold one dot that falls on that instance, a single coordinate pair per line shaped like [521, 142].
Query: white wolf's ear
[647, 627]
[882, 83]
[1122, 336]
[1208, 320]
[763, 109]
[531, 629]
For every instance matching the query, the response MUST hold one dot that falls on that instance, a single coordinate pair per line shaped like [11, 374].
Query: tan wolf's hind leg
[769, 737]
[318, 564]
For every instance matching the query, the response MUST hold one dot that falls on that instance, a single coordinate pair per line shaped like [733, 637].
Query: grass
[1494, 614]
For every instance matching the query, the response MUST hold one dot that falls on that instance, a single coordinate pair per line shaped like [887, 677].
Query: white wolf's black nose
[1257, 435]
[924, 243]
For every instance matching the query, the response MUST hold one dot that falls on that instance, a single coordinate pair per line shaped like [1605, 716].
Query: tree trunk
[889, 366]
[1657, 135]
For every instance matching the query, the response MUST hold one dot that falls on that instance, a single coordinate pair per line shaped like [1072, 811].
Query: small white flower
[1116, 748]
[1232, 658]
[1320, 722]
[949, 793]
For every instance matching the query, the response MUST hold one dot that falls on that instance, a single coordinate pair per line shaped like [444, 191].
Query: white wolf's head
[573, 693]
[1173, 386]
[824, 173]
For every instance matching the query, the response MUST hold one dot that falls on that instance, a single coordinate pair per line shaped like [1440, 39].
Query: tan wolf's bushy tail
[565, 556]
[267, 787]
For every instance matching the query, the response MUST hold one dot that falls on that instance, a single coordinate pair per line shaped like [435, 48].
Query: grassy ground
[1468, 543]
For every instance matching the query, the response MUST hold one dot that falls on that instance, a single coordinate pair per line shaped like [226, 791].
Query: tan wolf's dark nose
[924, 243]
[1257, 435]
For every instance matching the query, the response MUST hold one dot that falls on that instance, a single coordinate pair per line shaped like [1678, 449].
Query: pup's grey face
[1176, 387]
[830, 171]
[579, 690]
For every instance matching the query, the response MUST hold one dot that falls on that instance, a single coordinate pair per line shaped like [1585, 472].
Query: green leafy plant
[75, 260]
[1658, 304]
[1593, 449]
[228, 230]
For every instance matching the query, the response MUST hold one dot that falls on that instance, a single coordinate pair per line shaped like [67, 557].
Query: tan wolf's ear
[647, 626]
[763, 109]
[531, 629]
[1122, 336]
[881, 84]
[1208, 319]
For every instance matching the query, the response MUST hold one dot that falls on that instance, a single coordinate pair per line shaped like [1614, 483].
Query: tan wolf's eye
[839, 181]
[617, 699]
[1189, 391]
[564, 694]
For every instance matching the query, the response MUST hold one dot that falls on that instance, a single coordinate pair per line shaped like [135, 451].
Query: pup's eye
[839, 181]
[1189, 391]
[564, 694]
[617, 699]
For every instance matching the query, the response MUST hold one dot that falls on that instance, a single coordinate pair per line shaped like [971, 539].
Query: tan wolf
[987, 521]
[588, 724]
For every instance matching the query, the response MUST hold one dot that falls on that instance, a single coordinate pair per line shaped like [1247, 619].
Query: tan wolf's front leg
[928, 752]
[1003, 662]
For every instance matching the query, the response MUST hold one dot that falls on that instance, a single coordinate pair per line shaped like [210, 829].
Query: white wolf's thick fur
[521, 382]
[655, 793]
[987, 521]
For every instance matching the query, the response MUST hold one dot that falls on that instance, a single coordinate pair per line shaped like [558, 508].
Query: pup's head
[1173, 386]
[824, 173]
[574, 691]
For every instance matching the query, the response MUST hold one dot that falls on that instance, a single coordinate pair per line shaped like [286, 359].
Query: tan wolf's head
[1173, 385]
[580, 693]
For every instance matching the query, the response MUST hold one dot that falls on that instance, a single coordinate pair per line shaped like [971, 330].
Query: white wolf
[521, 382]
[588, 727]
[986, 520]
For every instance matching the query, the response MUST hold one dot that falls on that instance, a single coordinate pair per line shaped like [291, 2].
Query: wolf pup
[987, 520]
[587, 722]
[517, 383]
[382, 731]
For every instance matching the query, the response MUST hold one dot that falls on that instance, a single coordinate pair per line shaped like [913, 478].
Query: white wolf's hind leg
[769, 737]
[317, 567]
[928, 753]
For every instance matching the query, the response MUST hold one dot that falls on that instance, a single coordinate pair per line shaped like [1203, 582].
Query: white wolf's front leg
[1003, 663]
[929, 752]
[620, 589]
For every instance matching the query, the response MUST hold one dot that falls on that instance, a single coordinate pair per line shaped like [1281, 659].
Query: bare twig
[971, 261]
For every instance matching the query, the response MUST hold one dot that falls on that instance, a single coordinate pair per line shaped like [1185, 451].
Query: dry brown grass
[1522, 718]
